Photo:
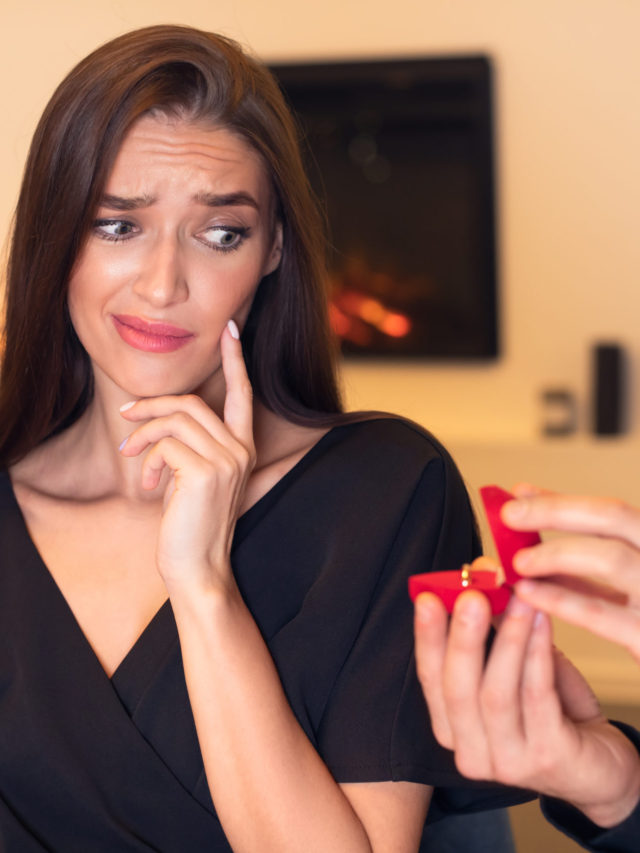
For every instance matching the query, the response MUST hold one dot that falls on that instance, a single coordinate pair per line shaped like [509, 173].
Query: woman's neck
[84, 462]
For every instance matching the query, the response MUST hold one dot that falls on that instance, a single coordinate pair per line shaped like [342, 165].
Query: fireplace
[401, 151]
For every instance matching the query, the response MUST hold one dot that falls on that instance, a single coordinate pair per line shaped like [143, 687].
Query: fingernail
[469, 608]
[422, 611]
[522, 558]
[514, 510]
[128, 405]
[424, 608]
[233, 330]
[516, 607]
[538, 619]
[123, 443]
[526, 586]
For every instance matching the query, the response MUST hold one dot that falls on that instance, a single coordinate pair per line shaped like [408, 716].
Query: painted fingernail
[128, 405]
[233, 330]
[123, 443]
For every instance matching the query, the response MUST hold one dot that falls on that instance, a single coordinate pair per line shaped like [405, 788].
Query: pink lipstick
[148, 336]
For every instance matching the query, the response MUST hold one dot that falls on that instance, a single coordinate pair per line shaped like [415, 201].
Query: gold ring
[466, 575]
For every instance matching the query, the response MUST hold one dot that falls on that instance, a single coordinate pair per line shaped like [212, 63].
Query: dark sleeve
[376, 725]
[623, 838]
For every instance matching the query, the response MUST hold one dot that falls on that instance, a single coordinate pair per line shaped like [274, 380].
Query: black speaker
[609, 389]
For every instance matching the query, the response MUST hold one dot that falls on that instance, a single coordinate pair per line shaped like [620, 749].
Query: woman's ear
[276, 250]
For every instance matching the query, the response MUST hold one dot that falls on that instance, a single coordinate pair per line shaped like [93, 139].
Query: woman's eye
[224, 239]
[113, 229]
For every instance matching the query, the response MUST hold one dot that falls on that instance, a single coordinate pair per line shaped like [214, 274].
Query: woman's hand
[603, 549]
[525, 717]
[210, 461]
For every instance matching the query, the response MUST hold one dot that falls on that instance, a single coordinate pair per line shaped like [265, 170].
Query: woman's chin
[166, 388]
[135, 384]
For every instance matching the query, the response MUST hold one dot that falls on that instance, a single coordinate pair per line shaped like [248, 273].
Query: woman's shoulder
[358, 450]
[44, 470]
[379, 457]
[385, 433]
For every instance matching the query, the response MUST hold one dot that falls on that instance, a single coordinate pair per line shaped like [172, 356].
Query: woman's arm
[270, 787]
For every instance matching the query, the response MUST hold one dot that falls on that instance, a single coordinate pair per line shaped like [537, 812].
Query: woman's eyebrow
[227, 199]
[235, 199]
[116, 202]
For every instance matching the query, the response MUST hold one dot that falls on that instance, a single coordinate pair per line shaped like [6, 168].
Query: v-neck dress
[91, 763]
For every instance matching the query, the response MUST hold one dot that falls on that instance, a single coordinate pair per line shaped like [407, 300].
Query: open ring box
[496, 586]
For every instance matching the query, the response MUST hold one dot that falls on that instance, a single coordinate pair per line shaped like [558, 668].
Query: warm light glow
[372, 312]
[396, 325]
[353, 316]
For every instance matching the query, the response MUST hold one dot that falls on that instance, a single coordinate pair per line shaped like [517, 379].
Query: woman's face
[179, 244]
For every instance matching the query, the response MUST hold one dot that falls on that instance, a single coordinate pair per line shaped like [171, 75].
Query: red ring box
[449, 585]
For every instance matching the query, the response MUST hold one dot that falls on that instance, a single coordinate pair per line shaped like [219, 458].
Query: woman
[207, 635]
[526, 717]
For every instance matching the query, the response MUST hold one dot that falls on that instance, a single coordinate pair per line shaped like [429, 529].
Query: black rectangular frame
[441, 110]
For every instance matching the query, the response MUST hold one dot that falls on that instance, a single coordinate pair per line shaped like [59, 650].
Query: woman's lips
[150, 337]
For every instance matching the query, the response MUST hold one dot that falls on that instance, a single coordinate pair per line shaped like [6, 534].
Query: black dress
[89, 763]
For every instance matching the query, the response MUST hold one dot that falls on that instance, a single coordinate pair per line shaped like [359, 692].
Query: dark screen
[401, 152]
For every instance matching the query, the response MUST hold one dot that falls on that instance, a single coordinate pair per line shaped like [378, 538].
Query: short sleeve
[376, 502]
[375, 726]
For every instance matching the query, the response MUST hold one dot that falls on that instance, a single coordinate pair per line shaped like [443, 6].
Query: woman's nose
[161, 279]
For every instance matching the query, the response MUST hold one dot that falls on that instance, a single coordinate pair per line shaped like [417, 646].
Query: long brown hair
[46, 379]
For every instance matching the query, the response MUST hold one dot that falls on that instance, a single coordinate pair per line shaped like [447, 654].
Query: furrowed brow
[227, 200]
[116, 202]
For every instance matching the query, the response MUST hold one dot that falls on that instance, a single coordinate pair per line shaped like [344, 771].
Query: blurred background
[567, 184]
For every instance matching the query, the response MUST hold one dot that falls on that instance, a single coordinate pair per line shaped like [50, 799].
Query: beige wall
[568, 137]
[568, 76]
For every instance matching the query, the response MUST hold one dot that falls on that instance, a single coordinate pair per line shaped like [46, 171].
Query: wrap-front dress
[99, 764]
